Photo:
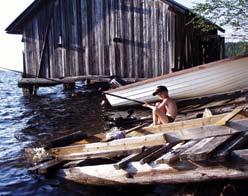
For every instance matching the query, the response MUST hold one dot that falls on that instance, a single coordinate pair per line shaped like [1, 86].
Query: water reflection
[25, 121]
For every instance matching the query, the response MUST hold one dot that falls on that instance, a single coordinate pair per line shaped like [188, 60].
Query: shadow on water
[49, 117]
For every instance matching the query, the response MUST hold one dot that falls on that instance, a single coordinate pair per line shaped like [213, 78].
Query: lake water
[31, 120]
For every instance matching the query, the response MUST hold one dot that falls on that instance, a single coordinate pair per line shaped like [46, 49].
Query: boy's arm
[147, 105]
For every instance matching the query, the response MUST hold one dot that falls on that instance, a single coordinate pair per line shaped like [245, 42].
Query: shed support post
[69, 86]
[29, 91]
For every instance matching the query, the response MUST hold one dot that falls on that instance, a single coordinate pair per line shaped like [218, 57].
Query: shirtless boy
[163, 112]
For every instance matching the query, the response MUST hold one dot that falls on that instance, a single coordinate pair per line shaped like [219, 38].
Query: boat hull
[208, 79]
[138, 174]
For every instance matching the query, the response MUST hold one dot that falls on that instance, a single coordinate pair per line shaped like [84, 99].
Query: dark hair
[160, 89]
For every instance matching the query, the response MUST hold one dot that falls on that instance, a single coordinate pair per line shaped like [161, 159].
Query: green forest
[236, 48]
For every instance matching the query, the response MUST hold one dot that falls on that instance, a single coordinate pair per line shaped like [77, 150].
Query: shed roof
[16, 26]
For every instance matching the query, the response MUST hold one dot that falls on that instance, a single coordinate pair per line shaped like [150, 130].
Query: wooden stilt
[29, 91]
[69, 86]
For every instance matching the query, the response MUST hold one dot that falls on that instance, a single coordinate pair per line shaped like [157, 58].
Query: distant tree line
[236, 48]
[231, 14]
[225, 13]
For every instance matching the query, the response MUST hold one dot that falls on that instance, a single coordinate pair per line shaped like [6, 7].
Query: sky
[11, 46]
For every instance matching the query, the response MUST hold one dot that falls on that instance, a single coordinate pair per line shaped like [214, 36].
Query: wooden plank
[154, 155]
[206, 131]
[149, 140]
[43, 167]
[74, 163]
[121, 144]
[145, 50]
[74, 38]
[240, 155]
[199, 122]
[135, 157]
[238, 142]
[112, 35]
[204, 148]
[99, 154]
[228, 117]
[154, 139]
[65, 140]
[173, 155]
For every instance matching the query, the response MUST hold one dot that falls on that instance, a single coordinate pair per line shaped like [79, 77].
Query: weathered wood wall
[128, 38]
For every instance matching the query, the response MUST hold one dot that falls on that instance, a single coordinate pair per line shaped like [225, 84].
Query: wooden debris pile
[187, 154]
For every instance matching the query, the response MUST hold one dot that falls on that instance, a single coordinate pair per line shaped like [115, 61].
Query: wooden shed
[133, 39]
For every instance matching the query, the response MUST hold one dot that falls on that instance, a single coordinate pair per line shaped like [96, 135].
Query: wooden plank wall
[128, 38]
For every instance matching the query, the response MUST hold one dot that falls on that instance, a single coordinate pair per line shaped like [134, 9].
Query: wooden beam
[173, 156]
[203, 149]
[229, 116]
[152, 139]
[99, 154]
[202, 132]
[76, 163]
[43, 167]
[193, 123]
[238, 142]
[157, 153]
[65, 140]
[121, 144]
[24, 82]
[240, 155]
[136, 157]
